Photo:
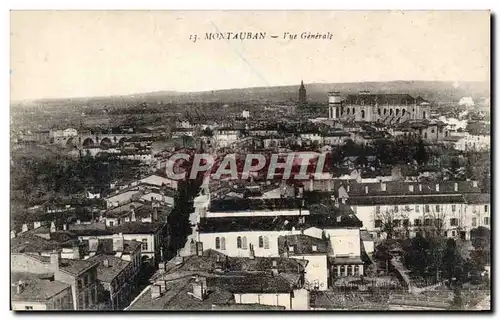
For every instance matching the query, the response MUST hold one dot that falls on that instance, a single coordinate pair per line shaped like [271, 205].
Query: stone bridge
[95, 140]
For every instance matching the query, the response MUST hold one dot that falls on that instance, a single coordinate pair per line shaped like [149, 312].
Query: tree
[421, 155]
[452, 262]
[394, 223]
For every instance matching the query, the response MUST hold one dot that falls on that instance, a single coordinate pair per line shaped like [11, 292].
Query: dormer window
[291, 249]
[314, 248]
[275, 263]
[383, 187]
[474, 184]
[339, 219]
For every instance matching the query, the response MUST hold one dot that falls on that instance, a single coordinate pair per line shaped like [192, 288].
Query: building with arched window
[387, 108]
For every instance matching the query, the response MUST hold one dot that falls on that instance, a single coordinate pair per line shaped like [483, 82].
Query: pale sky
[97, 53]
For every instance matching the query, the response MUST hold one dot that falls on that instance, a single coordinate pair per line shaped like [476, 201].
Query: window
[406, 223]
[378, 223]
[437, 208]
[433, 131]
[410, 188]
[80, 284]
[427, 222]
[486, 220]
[485, 208]
[397, 223]
[80, 301]
[111, 223]
[217, 243]
[453, 233]
[453, 222]
[379, 111]
[362, 114]
[291, 249]
[384, 187]
[417, 208]
[453, 207]
[396, 209]
[28, 308]
[427, 208]
[342, 270]
[238, 242]
[417, 222]
[144, 246]
[474, 222]
[349, 270]
[244, 243]
[266, 242]
[261, 242]
[377, 209]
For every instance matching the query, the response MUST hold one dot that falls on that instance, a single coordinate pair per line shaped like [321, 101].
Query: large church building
[387, 108]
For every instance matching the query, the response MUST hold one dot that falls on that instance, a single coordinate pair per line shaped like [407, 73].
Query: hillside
[316, 92]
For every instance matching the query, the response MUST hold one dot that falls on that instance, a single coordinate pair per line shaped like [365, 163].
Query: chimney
[37, 224]
[105, 263]
[162, 266]
[155, 291]
[199, 249]
[76, 252]
[274, 268]
[192, 248]
[13, 234]
[132, 213]
[24, 228]
[55, 260]
[53, 227]
[118, 242]
[200, 288]
[19, 286]
[93, 244]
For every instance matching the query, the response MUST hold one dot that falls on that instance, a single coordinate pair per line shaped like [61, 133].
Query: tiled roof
[302, 244]
[208, 262]
[105, 246]
[36, 289]
[114, 268]
[29, 242]
[381, 99]
[125, 228]
[254, 204]
[177, 298]
[74, 267]
[395, 200]
[320, 217]
[477, 198]
[251, 283]
[246, 307]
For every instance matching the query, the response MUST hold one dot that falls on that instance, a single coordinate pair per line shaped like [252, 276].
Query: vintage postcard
[250, 160]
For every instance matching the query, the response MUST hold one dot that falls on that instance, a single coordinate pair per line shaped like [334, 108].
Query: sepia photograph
[292, 160]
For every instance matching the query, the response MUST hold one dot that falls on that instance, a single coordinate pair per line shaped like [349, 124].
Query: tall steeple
[302, 93]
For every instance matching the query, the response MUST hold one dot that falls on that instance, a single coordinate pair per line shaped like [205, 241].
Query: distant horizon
[229, 89]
